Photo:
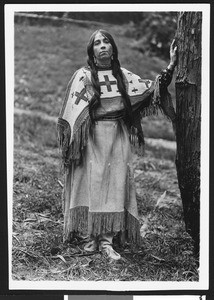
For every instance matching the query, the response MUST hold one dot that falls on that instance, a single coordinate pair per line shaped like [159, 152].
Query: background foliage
[153, 31]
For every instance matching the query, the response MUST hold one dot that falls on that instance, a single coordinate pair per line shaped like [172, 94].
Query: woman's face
[102, 49]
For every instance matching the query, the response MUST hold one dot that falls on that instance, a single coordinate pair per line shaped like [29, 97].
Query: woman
[99, 121]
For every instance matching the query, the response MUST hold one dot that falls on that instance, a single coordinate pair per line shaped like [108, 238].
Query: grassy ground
[45, 58]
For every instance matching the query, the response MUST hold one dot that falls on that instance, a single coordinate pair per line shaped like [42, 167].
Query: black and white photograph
[107, 110]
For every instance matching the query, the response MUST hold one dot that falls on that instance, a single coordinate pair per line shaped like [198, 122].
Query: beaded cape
[74, 122]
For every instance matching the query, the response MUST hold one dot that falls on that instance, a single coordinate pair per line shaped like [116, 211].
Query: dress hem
[81, 221]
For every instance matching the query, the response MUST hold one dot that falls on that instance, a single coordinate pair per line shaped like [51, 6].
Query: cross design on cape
[80, 96]
[145, 81]
[108, 83]
[134, 90]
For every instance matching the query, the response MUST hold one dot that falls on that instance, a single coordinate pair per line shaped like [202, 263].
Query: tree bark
[188, 122]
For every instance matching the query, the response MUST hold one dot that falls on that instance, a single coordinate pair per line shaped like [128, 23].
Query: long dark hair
[117, 73]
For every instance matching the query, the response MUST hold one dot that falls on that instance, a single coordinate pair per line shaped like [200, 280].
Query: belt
[109, 117]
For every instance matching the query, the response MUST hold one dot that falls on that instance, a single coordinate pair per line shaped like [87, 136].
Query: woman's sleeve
[165, 78]
[166, 104]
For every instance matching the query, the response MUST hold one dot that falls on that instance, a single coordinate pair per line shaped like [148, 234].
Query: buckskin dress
[99, 191]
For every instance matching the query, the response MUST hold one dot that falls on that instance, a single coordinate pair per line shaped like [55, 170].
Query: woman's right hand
[173, 54]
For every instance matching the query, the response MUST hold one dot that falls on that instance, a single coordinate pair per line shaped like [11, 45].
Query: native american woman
[99, 124]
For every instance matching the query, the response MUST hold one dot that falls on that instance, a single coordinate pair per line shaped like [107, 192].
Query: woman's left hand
[173, 54]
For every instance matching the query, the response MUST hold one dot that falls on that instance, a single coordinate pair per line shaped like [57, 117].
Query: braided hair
[117, 73]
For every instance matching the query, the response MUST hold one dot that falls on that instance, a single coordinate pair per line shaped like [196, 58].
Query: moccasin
[91, 246]
[107, 249]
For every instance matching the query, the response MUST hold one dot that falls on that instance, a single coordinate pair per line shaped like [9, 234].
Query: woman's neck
[103, 67]
[103, 63]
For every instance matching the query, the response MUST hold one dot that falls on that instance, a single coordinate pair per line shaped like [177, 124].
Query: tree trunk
[188, 122]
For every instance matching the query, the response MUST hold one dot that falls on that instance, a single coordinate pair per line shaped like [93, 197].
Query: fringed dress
[99, 192]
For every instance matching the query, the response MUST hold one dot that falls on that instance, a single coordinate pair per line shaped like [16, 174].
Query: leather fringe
[79, 142]
[72, 152]
[101, 223]
[137, 142]
[81, 221]
[76, 221]
[151, 110]
[157, 95]
[133, 229]
[132, 224]
[160, 101]
[64, 134]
